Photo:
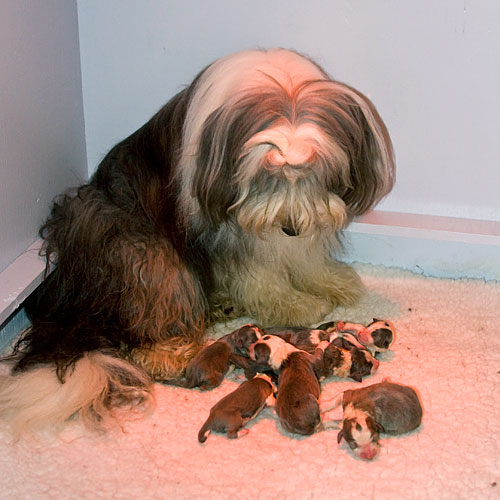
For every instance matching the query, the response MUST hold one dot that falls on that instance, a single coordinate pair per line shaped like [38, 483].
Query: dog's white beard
[287, 280]
[301, 210]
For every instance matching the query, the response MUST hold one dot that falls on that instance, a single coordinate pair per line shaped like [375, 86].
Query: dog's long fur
[228, 201]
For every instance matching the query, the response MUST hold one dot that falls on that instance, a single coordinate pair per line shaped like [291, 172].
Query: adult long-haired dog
[228, 201]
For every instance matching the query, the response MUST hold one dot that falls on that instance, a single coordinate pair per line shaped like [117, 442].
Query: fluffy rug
[447, 347]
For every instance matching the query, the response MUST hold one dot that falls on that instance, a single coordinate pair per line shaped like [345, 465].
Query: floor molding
[438, 246]
[19, 280]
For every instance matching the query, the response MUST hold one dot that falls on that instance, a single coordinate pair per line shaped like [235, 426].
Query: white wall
[42, 140]
[431, 67]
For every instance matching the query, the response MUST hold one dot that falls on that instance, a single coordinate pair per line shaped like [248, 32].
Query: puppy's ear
[340, 435]
[379, 427]
[357, 376]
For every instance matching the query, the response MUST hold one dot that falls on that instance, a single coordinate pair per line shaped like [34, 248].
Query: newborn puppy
[330, 326]
[345, 358]
[362, 362]
[297, 402]
[384, 407]
[207, 369]
[342, 363]
[233, 411]
[306, 339]
[378, 336]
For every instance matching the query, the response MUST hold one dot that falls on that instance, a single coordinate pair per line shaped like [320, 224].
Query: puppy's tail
[204, 431]
[36, 400]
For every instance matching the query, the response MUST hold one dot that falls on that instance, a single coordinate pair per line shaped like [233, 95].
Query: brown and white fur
[229, 201]
[297, 402]
[207, 369]
[233, 411]
[306, 339]
[377, 336]
[385, 407]
[362, 361]
[343, 359]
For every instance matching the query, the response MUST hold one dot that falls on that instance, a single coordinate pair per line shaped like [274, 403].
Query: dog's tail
[204, 431]
[35, 399]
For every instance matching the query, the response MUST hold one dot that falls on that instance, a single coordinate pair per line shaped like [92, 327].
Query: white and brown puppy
[384, 407]
[377, 336]
[297, 402]
[306, 339]
[233, 411]
[338, 362]
[207, 369]
[345, 359]
[362, 360]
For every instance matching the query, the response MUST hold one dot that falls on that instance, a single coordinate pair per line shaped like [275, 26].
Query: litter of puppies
[285, 366]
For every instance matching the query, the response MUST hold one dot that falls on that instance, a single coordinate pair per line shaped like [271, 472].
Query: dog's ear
[367, 146]
[379, 427]
[340, 435]
[357, 376]
[213, 185]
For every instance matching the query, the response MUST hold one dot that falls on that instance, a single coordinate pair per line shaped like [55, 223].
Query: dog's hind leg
[235, 423]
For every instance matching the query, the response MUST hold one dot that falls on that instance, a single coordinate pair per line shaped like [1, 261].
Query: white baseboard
[445, 247]
[20, 279]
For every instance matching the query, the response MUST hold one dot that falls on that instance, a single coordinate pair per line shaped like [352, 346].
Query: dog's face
[276, 146]
[361, 433]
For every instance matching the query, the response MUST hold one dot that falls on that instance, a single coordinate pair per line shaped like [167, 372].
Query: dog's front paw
[167, 359]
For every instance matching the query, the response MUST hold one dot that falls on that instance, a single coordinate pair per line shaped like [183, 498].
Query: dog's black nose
[289, 231]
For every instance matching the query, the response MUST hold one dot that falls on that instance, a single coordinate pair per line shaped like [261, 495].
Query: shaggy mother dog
[228, 201]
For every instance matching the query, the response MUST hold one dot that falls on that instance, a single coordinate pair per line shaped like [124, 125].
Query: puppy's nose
[369, 452]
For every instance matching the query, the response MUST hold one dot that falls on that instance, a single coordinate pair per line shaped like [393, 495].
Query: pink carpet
[447, 347]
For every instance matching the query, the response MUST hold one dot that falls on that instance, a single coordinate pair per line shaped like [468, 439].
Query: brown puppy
[207, 369]
[384, 407]
[297, 402]
[233, 411]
